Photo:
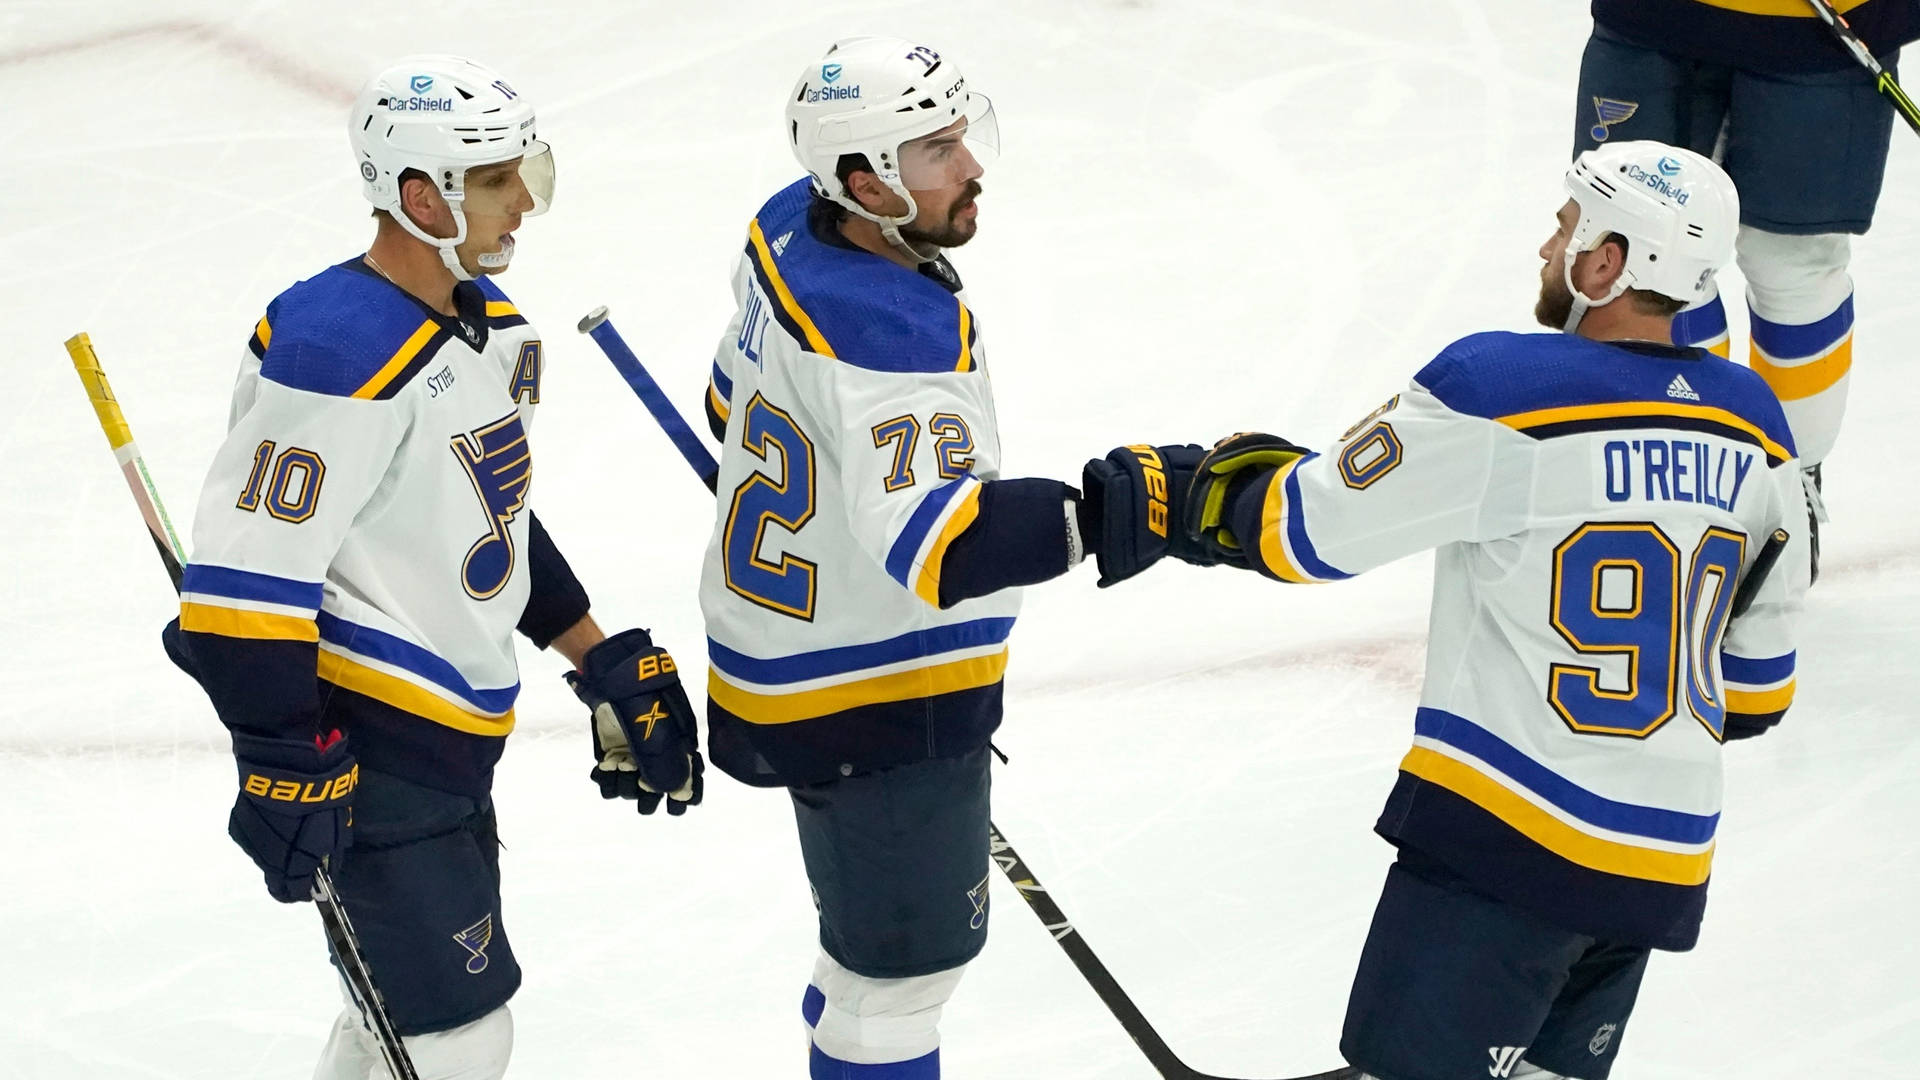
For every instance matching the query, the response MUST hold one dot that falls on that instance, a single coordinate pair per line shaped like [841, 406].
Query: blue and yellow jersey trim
[921, 664]
[1799, 361]
[261, 339]
[247, 605]
[1779, 9]
[304, 343]
[917, 554]
[500, 311]
[720, 393]
[850, 305]
[1550, 385]
[399, 673]
[1618, 415]
[1758, 687]
[1286, 551]
[1649, 843]
[792, 317]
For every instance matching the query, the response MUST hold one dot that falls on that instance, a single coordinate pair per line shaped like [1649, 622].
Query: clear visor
[536, 171]
[957, 153]
[490, 191]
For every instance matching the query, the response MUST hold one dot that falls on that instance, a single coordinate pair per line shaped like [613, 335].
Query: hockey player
[1766, 89]
[1594, 497]
[864, 571]
[364, 550]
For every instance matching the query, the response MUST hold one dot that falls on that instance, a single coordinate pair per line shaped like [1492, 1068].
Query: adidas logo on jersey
[780, 245]
[1679, 388]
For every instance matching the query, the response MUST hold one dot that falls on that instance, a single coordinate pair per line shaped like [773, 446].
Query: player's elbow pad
[1019, 538]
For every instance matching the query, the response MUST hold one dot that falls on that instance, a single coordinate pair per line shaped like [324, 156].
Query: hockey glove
[1235, 463]
[645, 741]
[295, 808]
[1132, 503]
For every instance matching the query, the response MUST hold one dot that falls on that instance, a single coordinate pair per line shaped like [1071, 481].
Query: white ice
[1210, 216]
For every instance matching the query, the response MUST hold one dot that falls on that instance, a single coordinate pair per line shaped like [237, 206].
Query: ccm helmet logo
[1156, 477]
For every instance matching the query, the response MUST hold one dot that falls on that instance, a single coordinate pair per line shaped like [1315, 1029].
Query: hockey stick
[333, 917]
[1883, 79]
[1749, 588]
[1137, 1027]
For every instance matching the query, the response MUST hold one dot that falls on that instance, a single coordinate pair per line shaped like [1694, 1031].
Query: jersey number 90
[782, 498]
[1620, 589]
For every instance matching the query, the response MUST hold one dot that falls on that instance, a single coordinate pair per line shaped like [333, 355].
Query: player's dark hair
[843, 170]
[1645, 301]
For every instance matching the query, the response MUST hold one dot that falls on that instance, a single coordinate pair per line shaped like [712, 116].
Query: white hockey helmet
[1678, 211]
[443, 115]
[871, 95]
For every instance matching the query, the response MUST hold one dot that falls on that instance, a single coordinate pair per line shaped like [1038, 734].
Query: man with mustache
[1593, 496]
[867, 557]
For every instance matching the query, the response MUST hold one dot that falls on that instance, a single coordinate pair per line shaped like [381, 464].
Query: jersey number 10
[1619, 590]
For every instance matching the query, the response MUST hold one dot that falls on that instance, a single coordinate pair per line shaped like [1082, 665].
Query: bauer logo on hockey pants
[475, 940]
[1156, 478]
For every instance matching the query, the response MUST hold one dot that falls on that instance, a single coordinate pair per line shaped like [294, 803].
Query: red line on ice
[251, 52]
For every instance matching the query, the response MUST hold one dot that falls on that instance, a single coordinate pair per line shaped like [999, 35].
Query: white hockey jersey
[1593, 506]
[859, 429]
[360, 547]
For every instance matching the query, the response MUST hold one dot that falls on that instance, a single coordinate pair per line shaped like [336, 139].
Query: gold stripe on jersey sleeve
[1607, 856]
[926, 582]
[264, 331]
[1760, 702]
[815, 341]
[398, 363]
[758, 708]
[1273, 527]
[1613, 409]
[239, 623]
[720, 406]
[405, 696]
[966, 346]
[499, 308]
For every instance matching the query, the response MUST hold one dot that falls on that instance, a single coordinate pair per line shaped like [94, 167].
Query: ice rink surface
[1209, 216]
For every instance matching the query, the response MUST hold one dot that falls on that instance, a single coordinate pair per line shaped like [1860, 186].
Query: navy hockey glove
[645, 741]
[1235, 463]
[295, 808]
[1132, 503]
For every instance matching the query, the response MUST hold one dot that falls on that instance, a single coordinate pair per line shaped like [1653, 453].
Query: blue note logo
[475, 940]
[1669, 167]
[977, 896]
[830, 73]
[499, 463]
[1610, 112]
[420, 84]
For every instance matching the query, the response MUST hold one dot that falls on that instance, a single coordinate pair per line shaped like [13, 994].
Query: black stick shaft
[1124, 1010]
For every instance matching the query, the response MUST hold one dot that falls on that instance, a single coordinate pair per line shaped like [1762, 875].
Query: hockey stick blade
[333, 917]
[1135, 1023]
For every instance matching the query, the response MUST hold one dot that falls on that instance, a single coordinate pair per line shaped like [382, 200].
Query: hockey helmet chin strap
[448, 245]
[1581, 304]
[890, 226]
